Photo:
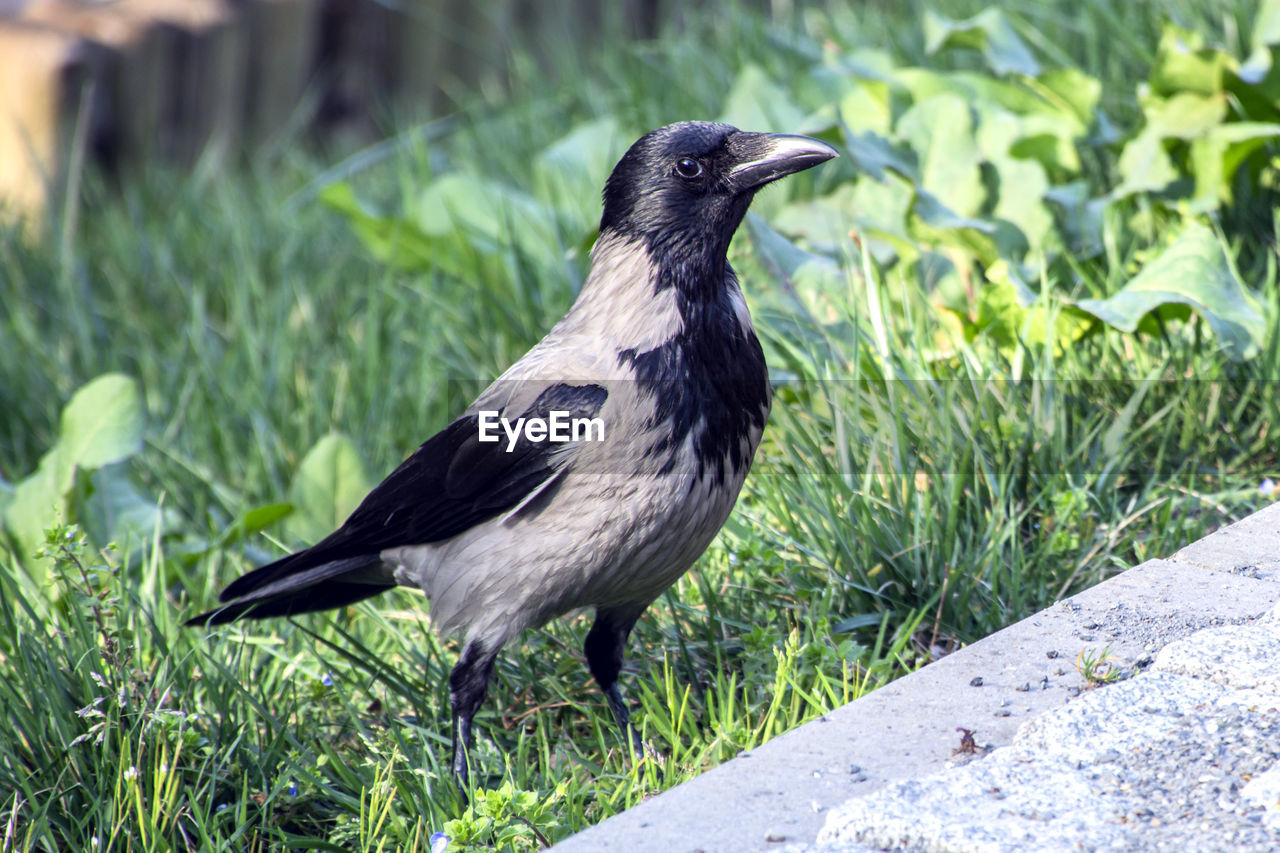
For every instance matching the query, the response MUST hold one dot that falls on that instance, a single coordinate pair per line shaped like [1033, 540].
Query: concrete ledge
[782, 791]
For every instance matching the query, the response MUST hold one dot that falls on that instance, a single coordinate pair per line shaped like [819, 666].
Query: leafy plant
[330, 482]
[505, 818]
[1097, 667]
[1211, 122]
[82, 478]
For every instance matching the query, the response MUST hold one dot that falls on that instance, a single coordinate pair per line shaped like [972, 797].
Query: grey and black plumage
[658, 346]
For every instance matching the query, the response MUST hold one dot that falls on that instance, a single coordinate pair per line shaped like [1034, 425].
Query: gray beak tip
[781, 154]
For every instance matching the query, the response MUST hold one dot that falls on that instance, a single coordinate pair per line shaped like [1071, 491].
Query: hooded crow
[506, 528]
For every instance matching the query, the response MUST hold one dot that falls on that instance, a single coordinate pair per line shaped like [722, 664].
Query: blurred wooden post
[45, 89]
[284, 38]
[205, 62]
[447, 47]
[134, 87]
[421, 44]
[182, 79]
[356, 60]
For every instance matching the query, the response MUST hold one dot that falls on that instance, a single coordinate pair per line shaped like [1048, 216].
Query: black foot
[468, 683]
[640, 750]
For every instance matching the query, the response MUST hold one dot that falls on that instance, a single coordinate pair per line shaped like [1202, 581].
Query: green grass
[917, 488]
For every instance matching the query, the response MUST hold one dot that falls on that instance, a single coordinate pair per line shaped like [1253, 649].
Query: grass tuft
[928, 475]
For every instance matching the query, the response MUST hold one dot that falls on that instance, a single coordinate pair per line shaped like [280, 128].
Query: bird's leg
[468, 683]
[604, 647]
[622, 716]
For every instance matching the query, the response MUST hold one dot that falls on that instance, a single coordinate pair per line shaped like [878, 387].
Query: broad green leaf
[1033, 111]
[454, 219]
[807, 304]
[1016, 96]
[490, 214]
[877, 210]
[252, 521]
[1070, 90]
[1144, 166]
[101, 424]
[1184, 65]
[756, 102]
[1255, 86]
[330, 482]
[874, 156]
[1020, 201]
[812, 279]
[1020, 183]
[459, 218]
[988, 32]
[1217, 155]
[865, 109]
[1193, 272]
[262, 517]
[116, 511]
[940, 129]
[1259, 69]
[571, 171]
[934, 213]
[586, 153]
[933, 225]
[936, 224]
[392, 240]
[1050, 150]
[882, 210]
[1081, 216]
[865, 64]
[1185, 115]
[1011, 314]
[37, 502]
[1266, 24]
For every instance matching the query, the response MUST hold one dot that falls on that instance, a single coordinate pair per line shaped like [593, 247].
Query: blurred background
[131, 80]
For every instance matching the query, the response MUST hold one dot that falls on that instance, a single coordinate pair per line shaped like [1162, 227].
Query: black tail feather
[307, 600]
[297, 584]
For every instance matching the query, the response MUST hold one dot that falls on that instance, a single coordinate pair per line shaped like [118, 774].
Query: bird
[512, 515]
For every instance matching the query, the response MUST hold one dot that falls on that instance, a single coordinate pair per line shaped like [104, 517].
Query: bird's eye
[687, 167]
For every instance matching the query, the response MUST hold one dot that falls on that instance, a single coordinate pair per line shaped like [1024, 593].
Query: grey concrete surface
[783, 792]
[1183, 756]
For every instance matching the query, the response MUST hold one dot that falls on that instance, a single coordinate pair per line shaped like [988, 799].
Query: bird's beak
[775, 155]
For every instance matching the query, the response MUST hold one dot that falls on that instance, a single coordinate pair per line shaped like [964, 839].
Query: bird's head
[683, 189]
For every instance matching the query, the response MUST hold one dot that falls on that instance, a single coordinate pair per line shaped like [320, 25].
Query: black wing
[450, 484]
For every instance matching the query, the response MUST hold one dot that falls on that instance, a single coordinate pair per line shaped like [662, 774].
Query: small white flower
[131, 773]
[1267, 487]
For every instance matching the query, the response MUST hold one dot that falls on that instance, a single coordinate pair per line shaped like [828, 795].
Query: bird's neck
[639, 297]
